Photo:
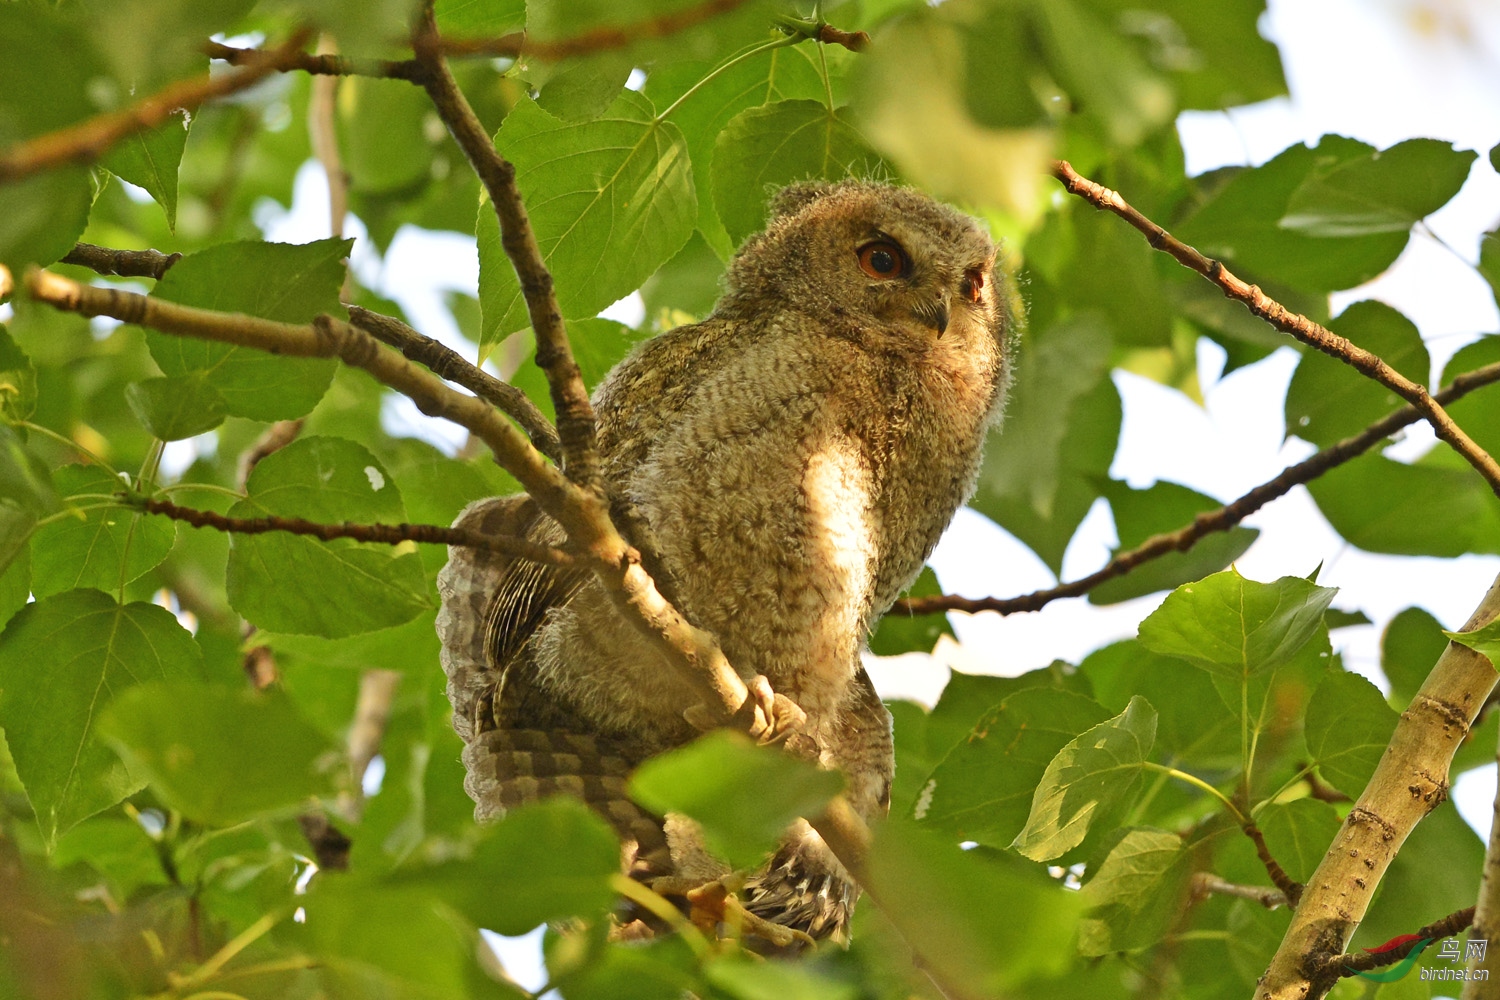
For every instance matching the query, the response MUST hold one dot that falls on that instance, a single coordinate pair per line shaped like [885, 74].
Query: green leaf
[1178, 692]
[1085, 781]
[1329, 401]
[900, 632]
[1409, 647]
[1348, 727]
[777, 75]
[298, 584]
[982, 790]
[44, 86]
[743, 979]
[277, 281]
[1239, 223]
[150, 160]
[17, 381]
[119, 849]
[966, 697]
[176, 408]
[15, 582]
[1385, 191]
[1234, 627]
[1162, 507]
[1298, 833]
[479, 18]
[610, 201]
[1040, 473]
[385, 139]
[548, 861]
[1489, 259]
[766, 148]
[982, 918]
[62, 659]
[106, 547]
[1137, 894]
[1476, 413]
[221, 756]
[1485, 639]
[707, 781]
[26, 493]
[1382, 505]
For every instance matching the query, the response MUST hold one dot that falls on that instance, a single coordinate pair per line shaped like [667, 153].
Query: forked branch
[1283, 319]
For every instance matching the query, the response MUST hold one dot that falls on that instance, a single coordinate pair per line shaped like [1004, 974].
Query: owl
[795, 458]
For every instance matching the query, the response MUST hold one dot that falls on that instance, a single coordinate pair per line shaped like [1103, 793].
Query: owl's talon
[714, 903]
[775, 715]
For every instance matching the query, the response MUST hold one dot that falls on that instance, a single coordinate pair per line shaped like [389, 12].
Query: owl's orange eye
[883, 259]
[973, 285]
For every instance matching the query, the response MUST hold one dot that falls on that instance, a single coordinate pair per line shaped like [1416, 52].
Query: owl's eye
[973, 284]
[883, 259]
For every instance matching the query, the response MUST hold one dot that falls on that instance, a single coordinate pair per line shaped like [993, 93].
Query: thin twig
[1207, 883]
[1355, 962]
[449, 364]
[554, 355]
[88, 140]
[122, 263]
[816, 28]
[1209, 521]
[273, 439]
[1299, 326]
[381, 534]
[322, 130]
[1290, 888]
[601, 39]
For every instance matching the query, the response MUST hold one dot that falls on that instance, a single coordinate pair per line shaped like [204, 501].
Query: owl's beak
[933, 314]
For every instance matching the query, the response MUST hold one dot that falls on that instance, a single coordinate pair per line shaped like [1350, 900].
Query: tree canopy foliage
[186, 696]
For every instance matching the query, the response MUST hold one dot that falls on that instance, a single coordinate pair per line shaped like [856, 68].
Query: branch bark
[122, 263]
[380, 534]
[1283, 319]
[88, 140]
[1209, 521]
[554, 355]
[450, 365]
[1486, 926]
[1412, 779]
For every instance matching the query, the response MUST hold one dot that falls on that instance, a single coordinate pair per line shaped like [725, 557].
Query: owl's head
[901, 270]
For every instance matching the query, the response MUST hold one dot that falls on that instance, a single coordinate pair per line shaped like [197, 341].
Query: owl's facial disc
[933, 313]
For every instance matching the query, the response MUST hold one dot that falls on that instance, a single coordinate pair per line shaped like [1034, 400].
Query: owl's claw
[767, 716]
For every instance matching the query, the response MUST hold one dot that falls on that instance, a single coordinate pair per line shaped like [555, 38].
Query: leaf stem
[779, 43]
[1198, 782]
[70, 443]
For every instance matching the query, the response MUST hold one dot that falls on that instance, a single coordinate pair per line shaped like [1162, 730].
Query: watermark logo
[1450, 951]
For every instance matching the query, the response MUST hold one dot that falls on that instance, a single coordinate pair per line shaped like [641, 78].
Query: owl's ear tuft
[795, 197]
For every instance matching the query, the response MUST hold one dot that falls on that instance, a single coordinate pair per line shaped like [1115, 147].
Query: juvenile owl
[795, 457]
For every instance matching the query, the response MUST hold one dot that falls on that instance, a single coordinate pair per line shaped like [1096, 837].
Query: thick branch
[88, 140]
[1487, 913]
[381, 534]
[554, 355]
[1209, 521]
[1410, 781]
[122, 263]
[449, 364]
[1283, 319]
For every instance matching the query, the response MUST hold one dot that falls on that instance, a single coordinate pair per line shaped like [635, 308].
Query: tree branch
[1283, 319]
[1410, 781]
[600, 39]
[450, 365]
[1210, 521]
[1487, 911]
[88, 140]
[554, 355]
[1290, 888]
[326, 64]
[1207, 883]
[1353, 963]
[382, 534]
[122, 263]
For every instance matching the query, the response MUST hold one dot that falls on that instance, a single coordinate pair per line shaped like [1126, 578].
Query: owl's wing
[522, 744]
